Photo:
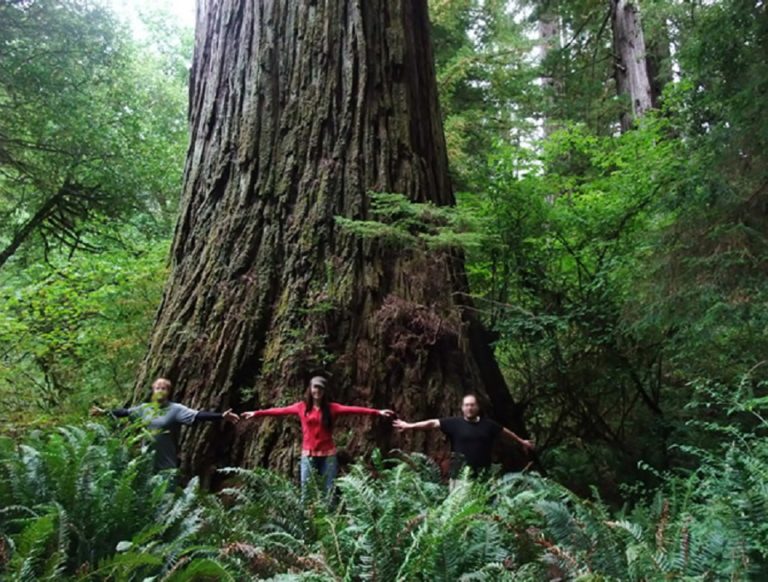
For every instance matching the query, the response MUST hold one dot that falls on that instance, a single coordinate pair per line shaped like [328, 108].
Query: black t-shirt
[471, 442]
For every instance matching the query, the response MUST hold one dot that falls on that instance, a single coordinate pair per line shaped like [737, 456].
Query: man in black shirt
[471, 436]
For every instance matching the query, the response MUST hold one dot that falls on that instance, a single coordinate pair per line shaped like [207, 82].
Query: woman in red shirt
[317, 413]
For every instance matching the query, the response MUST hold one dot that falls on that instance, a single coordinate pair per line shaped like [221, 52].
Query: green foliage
[93, 130]
[76, 332]
[485, 78]
[397, 221]
[92, 141]
[68, 496]
[64, 519]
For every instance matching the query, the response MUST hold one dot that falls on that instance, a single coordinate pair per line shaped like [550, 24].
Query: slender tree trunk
[549, 40]
[659, 60]
[298, 109]
[630, 60]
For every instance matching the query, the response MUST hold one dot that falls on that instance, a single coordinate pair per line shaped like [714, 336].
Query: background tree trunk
[549, 41]
[630, 60]
[659, 61]
[297, 111]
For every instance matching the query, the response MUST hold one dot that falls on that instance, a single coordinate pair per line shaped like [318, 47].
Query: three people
[317, 415]
[471, 435]
[166, 417]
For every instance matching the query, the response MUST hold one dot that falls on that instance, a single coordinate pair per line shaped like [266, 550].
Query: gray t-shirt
[167, 421]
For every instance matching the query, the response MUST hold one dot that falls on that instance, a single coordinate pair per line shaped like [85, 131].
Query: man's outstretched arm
[206, 416]
[114, 412]
[526, 444]
[401, 425]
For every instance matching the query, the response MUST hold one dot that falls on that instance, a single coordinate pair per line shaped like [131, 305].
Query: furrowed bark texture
[299, 109]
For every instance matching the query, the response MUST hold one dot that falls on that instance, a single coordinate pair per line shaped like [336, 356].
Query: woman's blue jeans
[325, 468]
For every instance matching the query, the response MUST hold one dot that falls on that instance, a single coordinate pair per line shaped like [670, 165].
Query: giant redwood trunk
[298, 110]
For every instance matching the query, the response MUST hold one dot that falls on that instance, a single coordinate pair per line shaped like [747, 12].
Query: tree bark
[299, 109]
[630, 61]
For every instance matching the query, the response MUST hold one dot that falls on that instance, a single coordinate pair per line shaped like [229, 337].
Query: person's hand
[230, 416]
[248, 415]
[400, 425]
[97, 411]
[527, 445]
[387, 413]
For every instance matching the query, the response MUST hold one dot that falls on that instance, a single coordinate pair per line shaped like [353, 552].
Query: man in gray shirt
[165, 418]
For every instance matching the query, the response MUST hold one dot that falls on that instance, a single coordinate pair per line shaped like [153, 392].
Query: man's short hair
[163, 383]
[470, 395]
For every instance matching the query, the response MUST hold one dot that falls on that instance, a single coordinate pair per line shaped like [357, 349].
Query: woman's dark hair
[325, 405]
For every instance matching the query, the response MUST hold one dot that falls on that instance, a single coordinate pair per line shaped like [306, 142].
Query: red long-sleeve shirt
[317, 441]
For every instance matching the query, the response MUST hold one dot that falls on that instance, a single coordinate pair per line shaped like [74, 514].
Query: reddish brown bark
[298, 109]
